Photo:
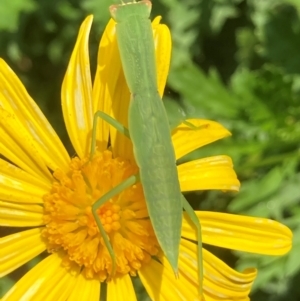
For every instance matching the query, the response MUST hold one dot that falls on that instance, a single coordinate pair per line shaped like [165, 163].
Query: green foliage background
[234, 61]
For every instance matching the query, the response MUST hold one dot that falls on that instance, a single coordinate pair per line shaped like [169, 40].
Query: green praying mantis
[150, 133]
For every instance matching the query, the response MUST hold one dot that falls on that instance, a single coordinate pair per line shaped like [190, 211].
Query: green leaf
[257, 191]
[10, 11]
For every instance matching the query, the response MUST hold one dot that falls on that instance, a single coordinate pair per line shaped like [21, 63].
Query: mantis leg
[188, 124]
[119, 188]
[113, 122]
[192, 126]
[194, 219]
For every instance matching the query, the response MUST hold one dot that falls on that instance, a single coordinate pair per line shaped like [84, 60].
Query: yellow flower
[44, 189]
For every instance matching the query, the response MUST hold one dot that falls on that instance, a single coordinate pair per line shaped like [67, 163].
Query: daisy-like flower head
[44, 189]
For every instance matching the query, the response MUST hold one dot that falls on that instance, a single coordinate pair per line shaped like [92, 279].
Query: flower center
[71, 227]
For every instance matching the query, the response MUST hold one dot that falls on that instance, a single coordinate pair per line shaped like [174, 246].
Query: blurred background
[234, 61]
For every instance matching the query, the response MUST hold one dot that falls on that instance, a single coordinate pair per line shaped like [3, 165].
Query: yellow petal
[77, 93]
[209, 173]
[114, 91]
[121, 288]
[17, 215]
[19, 147]
[19, 186]
[105, 81]
[238, 232]
[19, 248]
[186, 139]
[220, 281]
[85, 289]
[15, 99]
[47, 281]
[163, 45]
[161, 283]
